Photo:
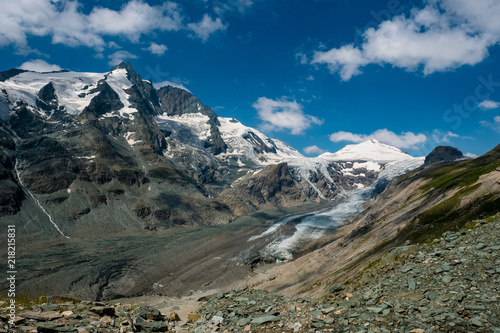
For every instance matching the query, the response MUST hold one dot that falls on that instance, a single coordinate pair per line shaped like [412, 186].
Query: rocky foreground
[451, 285]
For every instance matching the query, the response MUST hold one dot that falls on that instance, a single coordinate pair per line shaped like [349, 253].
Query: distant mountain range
[110, 151]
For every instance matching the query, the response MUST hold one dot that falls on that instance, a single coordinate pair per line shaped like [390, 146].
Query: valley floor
[451, 285]
[172, 262]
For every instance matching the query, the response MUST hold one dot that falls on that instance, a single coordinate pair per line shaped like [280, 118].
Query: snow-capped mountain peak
[370, 150]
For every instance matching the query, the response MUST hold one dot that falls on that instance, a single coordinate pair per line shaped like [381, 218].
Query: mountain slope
[418, 207]
[87, 145]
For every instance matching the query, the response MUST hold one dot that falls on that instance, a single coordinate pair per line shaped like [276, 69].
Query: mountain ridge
[132, 124]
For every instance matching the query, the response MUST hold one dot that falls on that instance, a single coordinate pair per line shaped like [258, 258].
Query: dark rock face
[46, 98]
[106, 101]
[48, 166]
[176, 102]
[260, 146]
[272, 185]
[11, 195]
[10, 73]
[443, 153]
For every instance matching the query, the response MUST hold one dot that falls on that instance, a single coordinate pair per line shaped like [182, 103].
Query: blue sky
[316, 74]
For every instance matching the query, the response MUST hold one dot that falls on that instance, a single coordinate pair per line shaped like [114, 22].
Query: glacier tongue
[309, 227]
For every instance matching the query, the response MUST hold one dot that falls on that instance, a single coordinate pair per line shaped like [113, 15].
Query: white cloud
[470, 155]
[444, 35]
[283, 114]
[313, 150]
[206, 27]
[113, 45]
[158, 49]
[495, 125]
[440, 137]
[135, 18]
[346, 60]
[39, 65]
[119, 56]
[66, 24]
[489, 105]
[301, 57]
[169, 83]
[404, 140]
[221, 7]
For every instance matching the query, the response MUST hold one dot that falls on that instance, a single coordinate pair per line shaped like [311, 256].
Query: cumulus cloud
[206, 27]
[489, 105]
[119, 56]
[39, 65]
[404, 140]
[66, 24]
[135, 18]
[470, 155]
[442, 36]
[283, 114]
[158, 49]
[313, 150]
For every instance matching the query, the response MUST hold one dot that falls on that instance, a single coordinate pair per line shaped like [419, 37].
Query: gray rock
[243, 322]
[147, 312]
[447, 279]
[411, 284]
[264, 319]
[476, 321]
[54, 328]
[475, 307]
[217, 320]
[336, 288]
[103, 310]
[153, 326]
[41, 316]
[445, 267]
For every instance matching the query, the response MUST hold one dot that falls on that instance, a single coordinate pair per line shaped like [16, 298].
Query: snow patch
[233, 133]
[189, 129]
[128, 137]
